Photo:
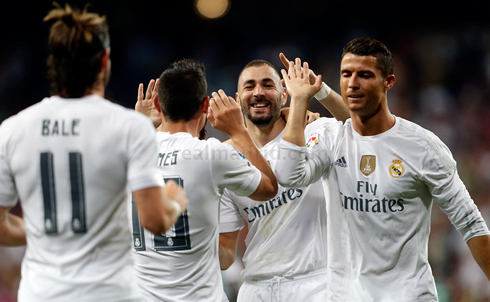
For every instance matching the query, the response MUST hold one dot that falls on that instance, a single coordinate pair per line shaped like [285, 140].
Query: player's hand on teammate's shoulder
[225, 114]
[310, 115]
[146, 102]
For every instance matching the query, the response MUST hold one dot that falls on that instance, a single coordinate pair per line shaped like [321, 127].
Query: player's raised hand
[297, 81]
[225, 113]
[285, 62]
[146, 102]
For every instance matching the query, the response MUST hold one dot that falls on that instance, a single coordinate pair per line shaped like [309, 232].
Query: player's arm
[225, 115]
[301, 91]
[293, 168]
[228, 245]
[330, 99]
[440, 175]
[159, 208]
[12, 231]
[480, 249]
[145, 102]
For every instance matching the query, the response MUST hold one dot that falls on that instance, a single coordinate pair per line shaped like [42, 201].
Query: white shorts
[311, 287]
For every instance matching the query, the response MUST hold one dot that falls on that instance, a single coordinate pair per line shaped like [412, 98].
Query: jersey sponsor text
[376, 205]
[266, 208]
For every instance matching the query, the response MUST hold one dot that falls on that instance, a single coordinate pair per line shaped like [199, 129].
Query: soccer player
[286, 243]
[182, 264]
[390, 172]
[70, 159]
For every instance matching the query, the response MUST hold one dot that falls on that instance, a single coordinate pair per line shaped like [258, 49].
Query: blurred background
[442, 68]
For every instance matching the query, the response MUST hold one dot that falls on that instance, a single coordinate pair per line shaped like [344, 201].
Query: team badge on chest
[397, 169]
[368, 164]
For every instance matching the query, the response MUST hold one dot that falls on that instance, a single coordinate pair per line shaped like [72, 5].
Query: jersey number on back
[48, 184]
[176, 238]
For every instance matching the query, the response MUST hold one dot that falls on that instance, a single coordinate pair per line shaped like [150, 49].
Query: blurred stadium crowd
[442, 83]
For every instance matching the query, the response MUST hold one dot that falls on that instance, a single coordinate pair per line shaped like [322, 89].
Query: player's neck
[263, 134]
[191, 127]
[98, 88]
[99, 91]
[372, 125]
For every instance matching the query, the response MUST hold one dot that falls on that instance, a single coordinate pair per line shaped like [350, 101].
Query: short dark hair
[77, 41]
[375, 48]
[258, 63]
[182, 89]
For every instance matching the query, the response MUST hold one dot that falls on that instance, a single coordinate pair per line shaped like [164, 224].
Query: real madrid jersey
[387, 185]
[183, 264]
[69, 161]
[287, 235]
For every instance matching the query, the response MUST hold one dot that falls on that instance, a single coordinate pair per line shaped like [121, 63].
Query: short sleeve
[232, 171]
[230, 219]
[8, 191]
[142, 154]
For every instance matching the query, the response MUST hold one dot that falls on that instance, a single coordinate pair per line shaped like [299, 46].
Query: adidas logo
[341, 162]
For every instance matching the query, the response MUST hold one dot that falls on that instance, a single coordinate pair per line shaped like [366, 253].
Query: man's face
[261, 94]
[362, 85]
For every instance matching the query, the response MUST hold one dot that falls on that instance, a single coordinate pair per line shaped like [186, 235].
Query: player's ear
[157, 104]
[389, 82]
[237, 98]
[205, 105]
[284, 96]
[105, 59]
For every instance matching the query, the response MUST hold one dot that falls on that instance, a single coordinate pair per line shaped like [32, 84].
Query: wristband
[177, 207]
[323, 93]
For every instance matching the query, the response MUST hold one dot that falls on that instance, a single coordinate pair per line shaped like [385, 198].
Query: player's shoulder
[323, 123]
[215, 144]
[119, 110]
[120, 115]
[419, 140]
[417, 134]
[25, 113]
[323, 129]
[19, 120]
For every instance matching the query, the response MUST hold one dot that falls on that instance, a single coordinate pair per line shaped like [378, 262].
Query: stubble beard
[261, 121]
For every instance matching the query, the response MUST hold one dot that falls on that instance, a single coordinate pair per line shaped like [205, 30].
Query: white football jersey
[287, 235]
[70, 162]
[387, 183]
[183, 264]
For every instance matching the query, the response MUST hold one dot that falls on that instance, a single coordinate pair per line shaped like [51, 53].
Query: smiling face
[261, 94]
[362, 85]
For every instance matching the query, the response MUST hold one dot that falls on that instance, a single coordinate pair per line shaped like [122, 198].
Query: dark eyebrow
[359, 71]
[267, 80]
[251, 81]
[248, 82]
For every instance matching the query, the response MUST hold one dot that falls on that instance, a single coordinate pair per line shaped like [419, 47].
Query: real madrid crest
[397, 169]
[137, 242]
[368, 164]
